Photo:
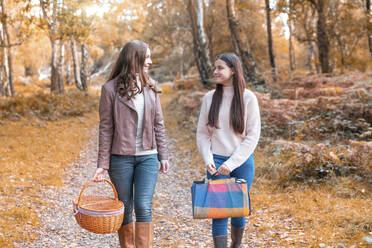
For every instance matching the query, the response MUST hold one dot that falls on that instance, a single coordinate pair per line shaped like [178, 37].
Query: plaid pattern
[221, 198]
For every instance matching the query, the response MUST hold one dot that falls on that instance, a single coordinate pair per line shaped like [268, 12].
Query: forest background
[308, 62]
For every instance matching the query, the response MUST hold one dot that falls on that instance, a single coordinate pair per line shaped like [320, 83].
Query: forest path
[172, 214]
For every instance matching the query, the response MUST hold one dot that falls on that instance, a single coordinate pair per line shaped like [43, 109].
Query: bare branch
[42, 5]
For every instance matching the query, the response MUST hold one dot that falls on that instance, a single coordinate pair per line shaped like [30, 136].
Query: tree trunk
[322, 37]
[310, 53]
[68, 68]
[54, 68]
[249, 64]
[201, 51]
[315, 57]
[341, 47]
[291, 50]
[8, 50]
[6, 88]
[3, 73]
[61, 86]
[52, 28]
[270, 40]
[369, 32]
[76, 65]
[83, 67]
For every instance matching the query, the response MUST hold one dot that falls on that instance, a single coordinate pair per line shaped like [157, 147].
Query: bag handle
[91, 181]
[236, 180]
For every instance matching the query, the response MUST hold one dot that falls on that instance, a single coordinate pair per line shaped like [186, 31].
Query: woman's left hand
[164, 166]
[223, 170]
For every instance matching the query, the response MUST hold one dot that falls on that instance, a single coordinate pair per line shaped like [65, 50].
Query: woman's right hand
[211, 168]
[99, 176]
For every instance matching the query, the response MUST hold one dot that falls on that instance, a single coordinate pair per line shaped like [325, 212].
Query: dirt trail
[174, 226]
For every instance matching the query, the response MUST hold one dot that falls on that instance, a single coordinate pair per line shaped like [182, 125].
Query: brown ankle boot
[236, 237]
[144, 234]
[126, 236]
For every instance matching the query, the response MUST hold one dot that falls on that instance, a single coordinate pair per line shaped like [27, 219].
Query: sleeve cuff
[230, 165]
[162, 157]
[104, 166]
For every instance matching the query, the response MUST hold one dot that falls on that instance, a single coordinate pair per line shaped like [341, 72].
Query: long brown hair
[130, 63]
[237, 104]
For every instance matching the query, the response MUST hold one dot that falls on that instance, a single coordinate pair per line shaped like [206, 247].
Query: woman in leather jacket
[132, 141]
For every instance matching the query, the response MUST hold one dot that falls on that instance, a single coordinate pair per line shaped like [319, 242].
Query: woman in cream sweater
[228, 132]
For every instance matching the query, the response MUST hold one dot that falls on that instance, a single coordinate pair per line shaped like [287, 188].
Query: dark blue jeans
[245, 171]
[134, 178]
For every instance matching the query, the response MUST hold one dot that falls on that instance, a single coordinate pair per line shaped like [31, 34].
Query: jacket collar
[130, 103]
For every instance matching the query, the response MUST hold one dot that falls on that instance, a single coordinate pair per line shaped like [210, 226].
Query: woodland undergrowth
[40, 134]
[313, 161]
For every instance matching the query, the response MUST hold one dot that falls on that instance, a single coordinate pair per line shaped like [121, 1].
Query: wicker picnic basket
[98, 214]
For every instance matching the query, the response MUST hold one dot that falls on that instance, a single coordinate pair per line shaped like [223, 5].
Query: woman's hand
[100, 175]
[211, 168]
[223, 170]
[164, 166]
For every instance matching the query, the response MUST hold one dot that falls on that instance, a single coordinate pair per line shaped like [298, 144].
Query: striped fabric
[221, 198]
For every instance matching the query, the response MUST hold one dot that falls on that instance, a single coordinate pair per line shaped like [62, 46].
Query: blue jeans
[245, 171]
[134, 178]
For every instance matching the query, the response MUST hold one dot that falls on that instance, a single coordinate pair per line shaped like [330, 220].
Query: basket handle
[91, 181]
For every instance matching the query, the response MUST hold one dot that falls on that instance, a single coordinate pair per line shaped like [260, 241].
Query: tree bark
[3, 73]
[53, 65]
[249, 64]
[76, 65]
[341, 47]
[201, 51]
[6, 37]
[52, 29]
[270, 40]
[61, 85]
[68, 68]
[6, 88]
[291, 50]
[310, 53]
[369, 32]
[322, 37]
[83, 67]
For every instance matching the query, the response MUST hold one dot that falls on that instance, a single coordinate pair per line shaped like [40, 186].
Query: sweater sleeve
[203, 134]
[252, 135]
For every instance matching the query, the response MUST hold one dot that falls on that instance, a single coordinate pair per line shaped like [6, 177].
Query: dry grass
[33, 154]
[299, 215]
[332, 212]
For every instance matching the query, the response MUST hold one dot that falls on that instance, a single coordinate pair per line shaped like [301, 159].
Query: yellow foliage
[167, 88]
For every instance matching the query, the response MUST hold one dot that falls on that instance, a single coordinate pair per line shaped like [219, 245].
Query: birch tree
[83, 67]
[51, 21]
[270, 40]
[286, 7]
[201, 51]
[242, 50]
[15, 29]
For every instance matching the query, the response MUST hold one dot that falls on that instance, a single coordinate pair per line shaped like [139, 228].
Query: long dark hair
[237, 104]
[130, 63]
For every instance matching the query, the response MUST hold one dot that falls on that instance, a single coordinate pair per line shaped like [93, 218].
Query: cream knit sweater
[139, 104]
[224, 141]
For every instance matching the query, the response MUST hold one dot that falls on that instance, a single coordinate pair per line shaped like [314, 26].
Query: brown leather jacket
[118, 125]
